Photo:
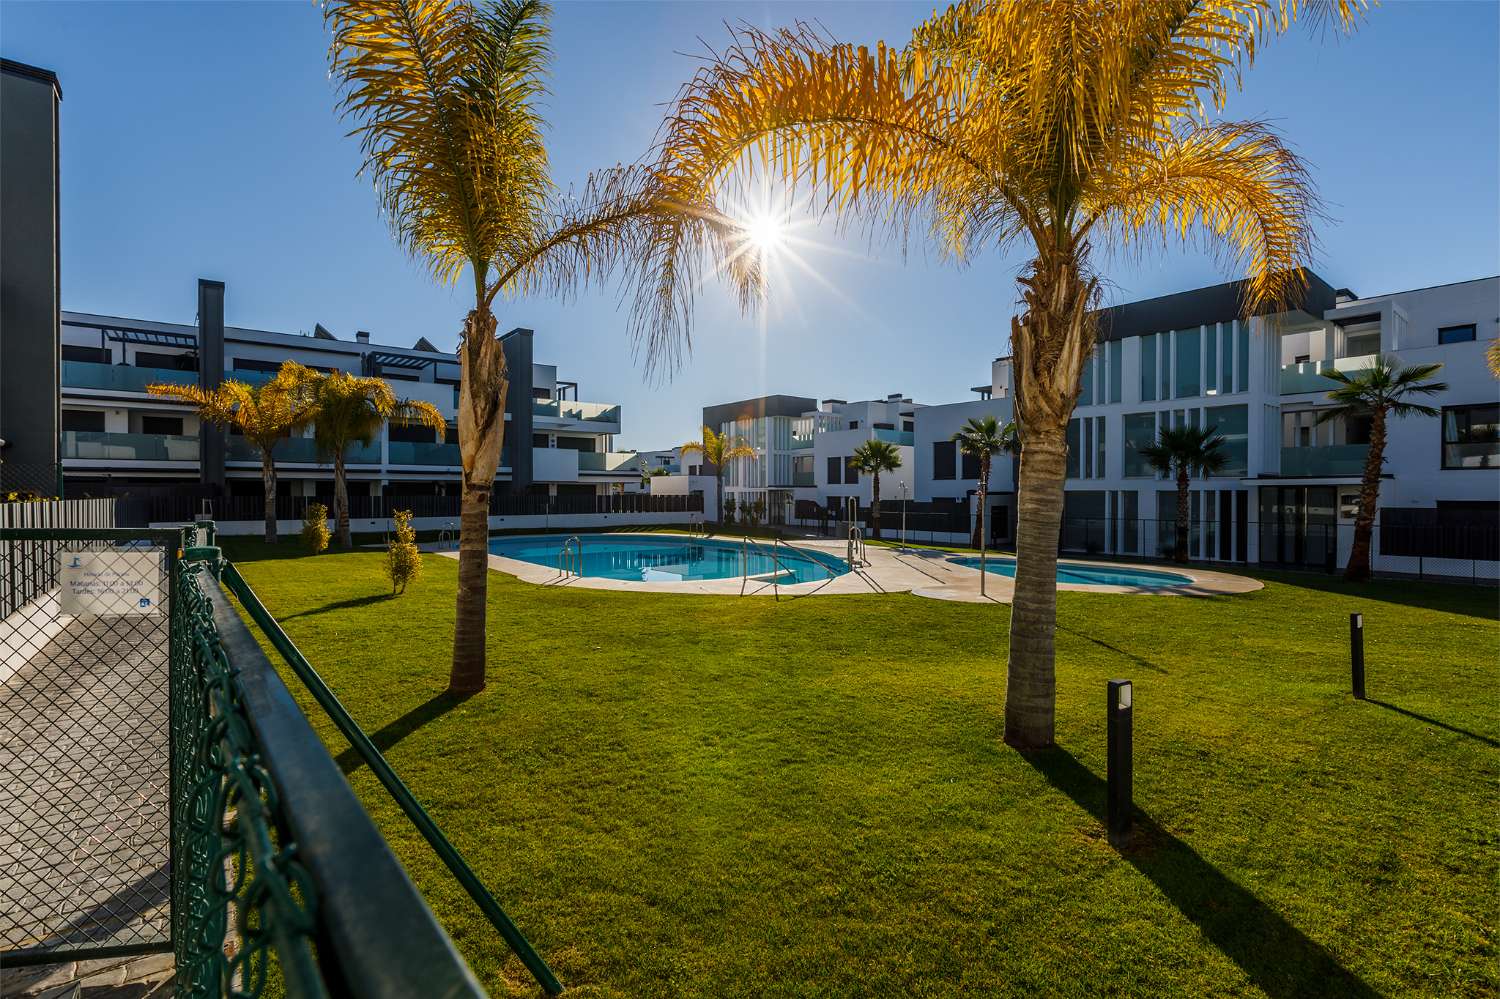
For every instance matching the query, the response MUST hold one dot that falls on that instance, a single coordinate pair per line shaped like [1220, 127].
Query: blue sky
[199, 140]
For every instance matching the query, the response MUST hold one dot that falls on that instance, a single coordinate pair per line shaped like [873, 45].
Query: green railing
[898, 437]
[584, 412]
[107, 446]
[423, 453]
[1331, 460]
[301, 450]
[120, 377]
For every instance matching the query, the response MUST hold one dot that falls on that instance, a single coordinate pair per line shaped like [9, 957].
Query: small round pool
[671, 559]
[1084, 574]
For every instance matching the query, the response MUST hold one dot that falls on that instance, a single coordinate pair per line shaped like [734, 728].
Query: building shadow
[1277, 957]
[1433, 721]
[393, 732]
[339, 605]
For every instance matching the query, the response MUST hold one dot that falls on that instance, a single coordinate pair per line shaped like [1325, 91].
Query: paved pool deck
[921, 572]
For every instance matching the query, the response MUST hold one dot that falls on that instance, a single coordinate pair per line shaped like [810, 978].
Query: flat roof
[1220, 303]
[34, 72]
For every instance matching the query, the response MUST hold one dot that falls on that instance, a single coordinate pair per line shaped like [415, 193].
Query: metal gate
[85, 743]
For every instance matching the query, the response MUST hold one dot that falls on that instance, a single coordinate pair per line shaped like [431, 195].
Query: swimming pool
[666, 559]
[1088, 575]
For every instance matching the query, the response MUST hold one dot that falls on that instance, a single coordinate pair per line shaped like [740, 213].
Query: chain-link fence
[30, 479]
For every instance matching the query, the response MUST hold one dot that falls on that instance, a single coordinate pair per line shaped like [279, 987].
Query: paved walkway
[922, 572]
[83, 786]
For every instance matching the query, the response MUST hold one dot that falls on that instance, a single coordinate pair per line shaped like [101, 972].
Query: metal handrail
[745, 546]
[574, 544]
[856, 554]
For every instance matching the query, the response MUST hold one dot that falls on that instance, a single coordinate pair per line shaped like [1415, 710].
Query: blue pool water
[670, 559]
[1087, 575]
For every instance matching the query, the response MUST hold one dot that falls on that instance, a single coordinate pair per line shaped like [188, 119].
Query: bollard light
[1119, 730]
[1357, 654]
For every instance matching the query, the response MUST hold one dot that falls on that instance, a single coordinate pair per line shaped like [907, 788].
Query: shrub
[315, 528]
[403, 563]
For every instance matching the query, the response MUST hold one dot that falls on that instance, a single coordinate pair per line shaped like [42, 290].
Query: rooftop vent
[424, 344]
[1342, 295]
[320, 333]
[363, 336]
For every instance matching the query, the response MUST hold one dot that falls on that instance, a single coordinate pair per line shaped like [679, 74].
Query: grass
[703, 796]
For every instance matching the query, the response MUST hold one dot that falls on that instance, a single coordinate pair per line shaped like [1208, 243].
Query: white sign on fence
[117, 582]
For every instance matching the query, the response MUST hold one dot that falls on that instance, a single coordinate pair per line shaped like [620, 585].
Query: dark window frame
[1445, 443]
[1471, 328]
[944, 461]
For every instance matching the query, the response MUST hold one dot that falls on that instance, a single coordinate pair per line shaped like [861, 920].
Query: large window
[943, 463]
[1139, 432]
[1074, 446]
[1233, 424]
[1187, 383]
[1242, 348]
[1456, 334]
[1148, 368]
[1471, 436]
[1116, 352]
[970, 470]
[836, 474]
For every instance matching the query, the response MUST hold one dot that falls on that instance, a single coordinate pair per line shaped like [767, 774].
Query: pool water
[670, 559]
[1087, 575]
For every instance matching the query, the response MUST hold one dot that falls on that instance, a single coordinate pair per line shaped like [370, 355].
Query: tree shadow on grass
[1433, 721]
[1456, 597]
[339, 605]
[393, 732]
[1143, 663]
[1274, 954]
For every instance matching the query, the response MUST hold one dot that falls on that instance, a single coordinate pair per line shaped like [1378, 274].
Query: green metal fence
[268, 867]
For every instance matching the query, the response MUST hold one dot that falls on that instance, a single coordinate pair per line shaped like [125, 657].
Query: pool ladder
[745, 546]
[570, 557]
[856, 555]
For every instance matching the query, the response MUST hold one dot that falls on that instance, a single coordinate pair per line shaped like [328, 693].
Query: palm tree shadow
[1143, 663]
[1274, 954]
[393, 732]
[339, 605]
[1424, 719]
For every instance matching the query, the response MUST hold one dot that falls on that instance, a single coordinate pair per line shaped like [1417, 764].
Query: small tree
[315, 528]
[873, 457]
[718, 450]
[1383, 389]
[983, 437]
[403, 563]
[1186, 450]
[726, 510]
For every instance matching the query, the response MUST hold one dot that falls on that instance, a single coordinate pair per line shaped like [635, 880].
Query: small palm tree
[647, 474]
[983, 437]
[1186, 451]
[873, 457]
[1380, 390]
[351, 409]
[265, 414]
[1050, 129]
[718, 450]
[446, 97]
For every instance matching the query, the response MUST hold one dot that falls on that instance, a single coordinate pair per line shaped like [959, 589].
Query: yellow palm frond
[263, 413]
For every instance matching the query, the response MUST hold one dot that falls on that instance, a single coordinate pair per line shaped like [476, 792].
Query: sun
[766, 233]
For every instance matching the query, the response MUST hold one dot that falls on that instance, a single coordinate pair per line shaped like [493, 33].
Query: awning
[152, 338]
[399, 361]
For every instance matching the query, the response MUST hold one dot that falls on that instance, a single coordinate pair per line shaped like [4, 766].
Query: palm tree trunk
[719, 496]
[1183, 514]
[1031, 682]
[875, 507]
[341, 500]
[473, 578]
[1358, 568]
[268, 481]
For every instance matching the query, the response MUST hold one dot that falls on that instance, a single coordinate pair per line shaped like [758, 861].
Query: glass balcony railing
[1334, 459]
[801, 443]
[606, 461]
[1305, 377]
[422, 453]
[120, 377]
[803, 478]
[249, 377]
[301, 450]
[101, 445]
[567, 409]
[903, 438]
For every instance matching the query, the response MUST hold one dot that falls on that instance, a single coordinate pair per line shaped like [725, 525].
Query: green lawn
[703, 796]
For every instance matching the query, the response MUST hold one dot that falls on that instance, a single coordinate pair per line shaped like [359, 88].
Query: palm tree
[983, 437]
[265, 414]
[1380, 390]
[718, 450]
[1050, 127]
[446, 99]
[873, 457]
[1185, 451]
[352, 409]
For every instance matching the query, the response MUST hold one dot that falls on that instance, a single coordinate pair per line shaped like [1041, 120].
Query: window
[414, 434]
[87, 420]
[1116, 351]
[907, 426]
[1139, 432]
[1187, 384]
[970, 470]
[251, 364]
[1456, 334]
[1211, 360]
[1233, 424]
[1148, 368]
[943, 461]
[172, 362]
[836, 474]
[851, 475]
[1242, 362]
[1471, 436]
[853, 424]
[94, 355]
[1086, 381]
[1074, 445]
[1302, 359]
[1226, 358]
[1099, 472]
[169, 425]
[541, 440]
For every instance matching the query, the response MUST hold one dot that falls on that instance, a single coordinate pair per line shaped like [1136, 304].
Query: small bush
[403, 563]
[315, 528]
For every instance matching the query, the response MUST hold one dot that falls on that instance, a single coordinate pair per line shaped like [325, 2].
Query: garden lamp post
[901, 484]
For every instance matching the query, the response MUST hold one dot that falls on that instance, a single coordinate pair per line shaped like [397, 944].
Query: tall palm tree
[266, 414]
[1185, 451]
[1051, 127]
[1382, 390]
[351, 409]
[873, 457]
[983, 437]
[719, 450]
[445, 96]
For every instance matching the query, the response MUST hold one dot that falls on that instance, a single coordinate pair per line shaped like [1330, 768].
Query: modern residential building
[946, 480]
[116, 439]
[1288, 495]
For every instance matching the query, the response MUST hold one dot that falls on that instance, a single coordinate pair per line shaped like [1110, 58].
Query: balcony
[251, 378]
[1306, 377]
[423, 453]
[120, 377]
[801, 478]
[301, 451]
[801, 443]
[578, 412]
[616, 462]
[1332, 460]
[97, 445]
[902, 438]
